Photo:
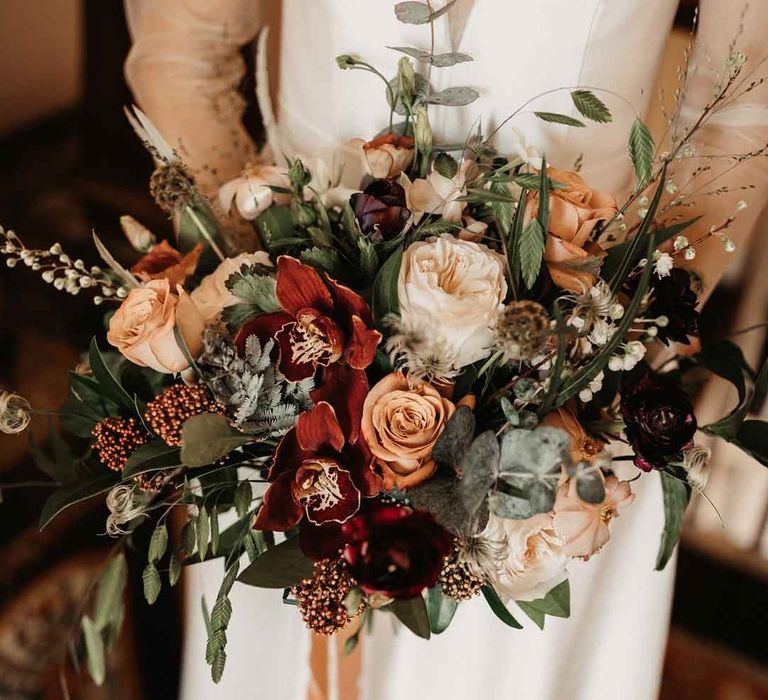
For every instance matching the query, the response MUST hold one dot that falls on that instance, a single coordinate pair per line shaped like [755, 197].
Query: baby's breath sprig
[59, 269]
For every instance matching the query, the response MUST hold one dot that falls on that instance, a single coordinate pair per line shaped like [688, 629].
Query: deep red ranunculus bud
[395, 550]
[658, 418]
[381, 209]
[673, 297]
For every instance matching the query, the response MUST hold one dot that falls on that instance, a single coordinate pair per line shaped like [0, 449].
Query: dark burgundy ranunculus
[381, 209]
[395, 550]
[658, 418]
[673, 297]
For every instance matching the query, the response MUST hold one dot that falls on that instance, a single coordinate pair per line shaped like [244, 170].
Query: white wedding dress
[613, 644]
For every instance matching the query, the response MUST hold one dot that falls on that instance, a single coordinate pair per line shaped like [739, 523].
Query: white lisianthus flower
[456, 286]
[326, 170]
[535, 560]
[437, 194]
[252, 193]
[521, 153]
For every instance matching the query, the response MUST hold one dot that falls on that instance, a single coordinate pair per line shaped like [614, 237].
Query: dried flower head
[321, 599]
[483, 554]
[124, 507]
[522, 330]
[15, 413]
[420, 352]
[172, 186]
[167, 413]
[696, 464]
[116, 439]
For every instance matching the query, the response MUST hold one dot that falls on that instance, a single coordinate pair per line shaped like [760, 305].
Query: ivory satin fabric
[613, 644]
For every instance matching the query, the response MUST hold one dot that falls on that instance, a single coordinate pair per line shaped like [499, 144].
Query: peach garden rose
[402, 419]
[143, 329]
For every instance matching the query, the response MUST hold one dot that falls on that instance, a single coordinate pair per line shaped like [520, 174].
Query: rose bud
[658, 417]
[395, 550]
[380, 209]
[387, 155]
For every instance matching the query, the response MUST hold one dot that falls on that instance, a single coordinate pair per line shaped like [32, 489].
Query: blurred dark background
[70, 165]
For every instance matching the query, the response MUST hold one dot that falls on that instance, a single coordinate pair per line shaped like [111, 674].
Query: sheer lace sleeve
[184, 68]
[738, 128]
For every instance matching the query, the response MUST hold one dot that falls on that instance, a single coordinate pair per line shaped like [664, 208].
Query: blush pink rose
[143, 329]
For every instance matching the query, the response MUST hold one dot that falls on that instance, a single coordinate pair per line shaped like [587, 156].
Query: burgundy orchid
[317, 472]
[322, 322]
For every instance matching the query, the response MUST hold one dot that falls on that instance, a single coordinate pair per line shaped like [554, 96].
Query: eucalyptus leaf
[453, 96]
[453, 442]
[441, 496]
[479, 468]
[510, 507]
[412, 612]
[557, 603]
[590, 487]
[281, 566]
[538, 451]
[412, 12]
[440, 60]
[207, 437]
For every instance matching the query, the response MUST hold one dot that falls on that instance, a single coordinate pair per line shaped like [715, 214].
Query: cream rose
[456, 287]
[535, 560]
[212, 295]
[143, 328]
[402, 419]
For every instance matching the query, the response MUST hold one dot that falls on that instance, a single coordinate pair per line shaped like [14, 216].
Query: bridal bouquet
[415, 392]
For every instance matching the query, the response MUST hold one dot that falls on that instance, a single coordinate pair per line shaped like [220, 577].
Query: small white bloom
[251, 192]
[663, 265]
[741, 205]
[680, 243]
[585, 395]
[690, 253]
[616, 363]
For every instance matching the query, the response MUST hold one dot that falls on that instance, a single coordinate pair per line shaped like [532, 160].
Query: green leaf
[752, 438]
[641, 152]
[555, 118]
[440, 60]
[152, 583]
[89, 392]
[275, 225]
[633, 251]
[761, 389]
[532, 181]
[221, 613]
[243, 498]
[153, 456]
[446, 165]
[109, 593]
[543, 212]
[254, 287]
[214, 532]
[324, 260]
[109, 384]
[452, 444]
[237, 315]
[453, 96]
[412, 612]
[726, 360]
[188, 537]
[68, 496]
[158, 543]
[281, 566]
[203, 529]
[384, 297]
[676, 496]
[208, 437]
[174, 569]
[440, 610]
[498, 607]
[531, 251]
[94, 651]
[557, 603]
[591, 107]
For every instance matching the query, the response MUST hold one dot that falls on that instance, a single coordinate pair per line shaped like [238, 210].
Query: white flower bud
[138, 235]
[616, 363]
[585, 395]
[690, 253]
[741, 205]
